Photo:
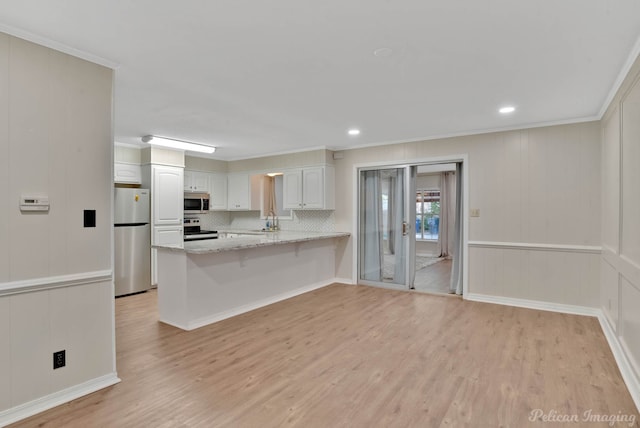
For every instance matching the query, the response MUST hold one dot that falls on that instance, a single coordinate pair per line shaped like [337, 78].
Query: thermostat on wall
[34, 203]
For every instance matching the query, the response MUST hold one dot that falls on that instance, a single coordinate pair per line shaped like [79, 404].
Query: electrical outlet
[474, 212]
[59, 359]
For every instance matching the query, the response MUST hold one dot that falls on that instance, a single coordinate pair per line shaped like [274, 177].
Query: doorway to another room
[435, 227]
[410, 227]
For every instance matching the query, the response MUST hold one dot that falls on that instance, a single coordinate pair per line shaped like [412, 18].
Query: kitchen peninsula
[208, 281]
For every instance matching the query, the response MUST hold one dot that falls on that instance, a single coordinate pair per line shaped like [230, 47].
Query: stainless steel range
[192, 231]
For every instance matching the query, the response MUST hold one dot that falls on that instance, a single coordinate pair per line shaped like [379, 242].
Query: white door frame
[463, 158]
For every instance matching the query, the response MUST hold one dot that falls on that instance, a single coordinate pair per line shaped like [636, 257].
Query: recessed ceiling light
[383, 52]
[354, 132]
[507, 109]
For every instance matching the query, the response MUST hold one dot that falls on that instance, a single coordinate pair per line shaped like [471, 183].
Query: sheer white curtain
[371, 228]
[448, 223]
[396, 202]
[456, 268]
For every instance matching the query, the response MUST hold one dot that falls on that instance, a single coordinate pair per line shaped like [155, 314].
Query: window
[427, 214]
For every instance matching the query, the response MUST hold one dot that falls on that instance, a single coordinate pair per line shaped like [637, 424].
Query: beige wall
[125, 154]
[55, 140]
[620, 262]
[534, 186]
[204, 164]
[291, 160]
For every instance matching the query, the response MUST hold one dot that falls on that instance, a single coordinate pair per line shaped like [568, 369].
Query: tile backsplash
[307, 221]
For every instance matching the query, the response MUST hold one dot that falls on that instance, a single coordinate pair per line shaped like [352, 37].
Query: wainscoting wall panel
[620, 278]
[609, 295]
[543, 275]
[630, 320]
[55, 140]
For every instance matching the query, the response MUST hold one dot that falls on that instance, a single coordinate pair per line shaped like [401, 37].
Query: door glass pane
[382, 213]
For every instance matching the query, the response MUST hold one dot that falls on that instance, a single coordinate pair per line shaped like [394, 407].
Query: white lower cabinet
[164, 235]
[168, 235]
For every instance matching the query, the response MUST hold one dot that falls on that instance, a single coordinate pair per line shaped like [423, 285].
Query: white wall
[538, 188]
[55, 275]
[620, 261]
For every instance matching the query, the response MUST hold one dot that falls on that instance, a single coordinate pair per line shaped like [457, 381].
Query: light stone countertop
[251, 239]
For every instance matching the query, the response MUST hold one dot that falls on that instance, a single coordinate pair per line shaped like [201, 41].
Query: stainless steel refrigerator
[132, 241]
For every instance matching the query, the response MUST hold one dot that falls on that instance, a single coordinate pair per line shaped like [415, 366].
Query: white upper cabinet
[243, 192]
[167, 195]
[126, 173]
[217, 192]
[309, 188]
[195, 181]
[292, 190]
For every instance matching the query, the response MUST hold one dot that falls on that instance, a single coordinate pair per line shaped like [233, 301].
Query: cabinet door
[238, 192]
[168, 235]
[127, 173]
[167, 195]
[201, 182]
[195, 181]
[292, 190]
[218, 192]
[188, 181]
[313, 188]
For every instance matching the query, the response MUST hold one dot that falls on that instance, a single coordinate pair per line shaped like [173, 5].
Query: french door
[386, 220]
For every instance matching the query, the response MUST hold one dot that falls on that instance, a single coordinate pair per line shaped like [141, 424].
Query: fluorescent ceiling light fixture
[354, 132]
[177, 144]
[507, 109]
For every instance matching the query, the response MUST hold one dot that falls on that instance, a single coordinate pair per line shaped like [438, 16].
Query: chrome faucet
[274, 222]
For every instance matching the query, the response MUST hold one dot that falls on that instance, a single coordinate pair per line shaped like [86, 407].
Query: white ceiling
[263, 77]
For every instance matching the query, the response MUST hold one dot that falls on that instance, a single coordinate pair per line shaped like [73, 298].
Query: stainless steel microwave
[196, 202]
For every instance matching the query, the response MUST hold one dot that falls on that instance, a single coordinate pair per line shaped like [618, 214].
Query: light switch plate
[474, 212]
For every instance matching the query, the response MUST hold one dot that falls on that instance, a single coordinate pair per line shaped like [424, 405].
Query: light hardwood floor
[353, 356]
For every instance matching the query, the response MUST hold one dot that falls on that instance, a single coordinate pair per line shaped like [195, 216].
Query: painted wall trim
[61, 47]
[633, 55]
[629, 375]
[590, 249]
[534, 304]
[201, 322]
[57, 398]
[49, 282]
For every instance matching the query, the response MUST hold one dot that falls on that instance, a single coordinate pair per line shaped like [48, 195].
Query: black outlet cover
[59, 359]
[89, 218]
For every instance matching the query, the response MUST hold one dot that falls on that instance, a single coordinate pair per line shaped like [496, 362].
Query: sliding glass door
[386, 238]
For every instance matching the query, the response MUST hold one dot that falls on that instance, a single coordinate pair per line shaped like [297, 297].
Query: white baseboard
[347, 281]
[629, 375]
[201, 322]
[534, 304]
[31, 408]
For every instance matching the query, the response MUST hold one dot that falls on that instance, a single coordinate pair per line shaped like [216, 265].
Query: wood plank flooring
[353, 356]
